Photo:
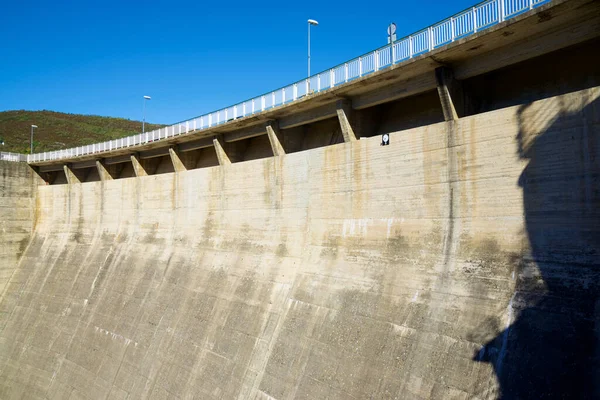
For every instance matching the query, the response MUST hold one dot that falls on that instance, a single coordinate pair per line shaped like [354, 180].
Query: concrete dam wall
[461, 261]
[18, 186]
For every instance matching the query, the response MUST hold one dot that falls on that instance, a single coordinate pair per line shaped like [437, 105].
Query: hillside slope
[59, 130]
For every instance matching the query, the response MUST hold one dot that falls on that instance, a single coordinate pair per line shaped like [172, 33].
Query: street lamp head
[34, 126]
[313, 22]
[147, 97]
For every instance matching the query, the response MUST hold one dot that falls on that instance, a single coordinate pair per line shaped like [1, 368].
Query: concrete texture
[18, 185]
[461, 261]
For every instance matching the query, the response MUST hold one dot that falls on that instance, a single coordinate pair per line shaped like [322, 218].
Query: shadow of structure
[551, 347]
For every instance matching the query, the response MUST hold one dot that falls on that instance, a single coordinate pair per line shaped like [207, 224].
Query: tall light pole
[310, 22]
[144, 120]
[31, 139]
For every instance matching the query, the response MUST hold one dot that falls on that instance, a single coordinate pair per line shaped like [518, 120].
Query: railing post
[474, 20]
[226, 116]
[272, 99]
[430, 38]
[209, 120]
[252, 106]
[307, 86]
[243, 109]
[295, 94]
[393, 52]
[331, 77]
[262, 98]
[376, 60]
[346, 71]
[195, 124]
[452, 27]
[283, 96]
[530, 4]
[360, 67]
[319, 83]
[234, 112]
[410, 47]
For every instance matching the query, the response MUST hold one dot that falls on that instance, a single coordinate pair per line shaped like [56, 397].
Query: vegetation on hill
[60, 131]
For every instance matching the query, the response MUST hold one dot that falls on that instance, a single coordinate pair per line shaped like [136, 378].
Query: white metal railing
[460, 25]
[5, 156]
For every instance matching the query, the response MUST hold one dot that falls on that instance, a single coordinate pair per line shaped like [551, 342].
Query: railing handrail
[476, 18]
[8, 156]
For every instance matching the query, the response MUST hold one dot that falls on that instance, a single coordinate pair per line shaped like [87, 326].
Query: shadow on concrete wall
[552, 347]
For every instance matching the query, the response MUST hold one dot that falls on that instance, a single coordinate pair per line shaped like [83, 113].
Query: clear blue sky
[191, 57]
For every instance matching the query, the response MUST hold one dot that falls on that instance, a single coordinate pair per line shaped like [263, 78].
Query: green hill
[59, 130]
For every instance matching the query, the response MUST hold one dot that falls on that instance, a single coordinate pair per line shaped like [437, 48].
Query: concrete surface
[461, 261]
[18, 185]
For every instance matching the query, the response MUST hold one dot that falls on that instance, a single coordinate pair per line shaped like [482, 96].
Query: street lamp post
[144, 118]
[310, 22]
[31, 139]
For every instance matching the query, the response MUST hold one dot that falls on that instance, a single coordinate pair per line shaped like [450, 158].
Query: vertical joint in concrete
[219, 149]
[71, 177]
[137, 166]
[449, 89]
[102, 171]
[275, 137]
[344, 113]
[178, 165]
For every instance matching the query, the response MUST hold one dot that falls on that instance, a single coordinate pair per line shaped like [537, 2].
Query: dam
[286, 254]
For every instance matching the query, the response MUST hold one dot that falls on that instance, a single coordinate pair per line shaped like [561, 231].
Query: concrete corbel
[344, 113]
[275, 138]
[221, 154]
[178, 165]
[102, 172]
[448, 88]
[137, 166]
[71, 177]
